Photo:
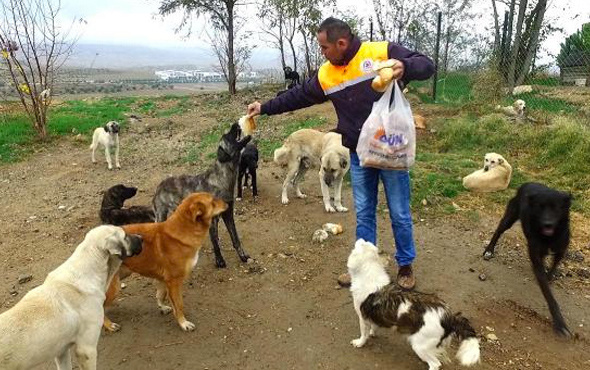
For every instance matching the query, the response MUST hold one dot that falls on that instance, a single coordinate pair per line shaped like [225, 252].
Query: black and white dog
[219, 180]
[113, 213]
[248, 166]
[544, 217]
[427, 321]
[108, 137]
[291, 78]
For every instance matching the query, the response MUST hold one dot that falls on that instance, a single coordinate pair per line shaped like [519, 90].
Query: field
[285, 310]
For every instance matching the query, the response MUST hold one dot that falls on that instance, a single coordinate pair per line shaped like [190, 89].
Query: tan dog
[66, 310]
[170, 252]
[517, 109]
[305, 148]
[495, 175]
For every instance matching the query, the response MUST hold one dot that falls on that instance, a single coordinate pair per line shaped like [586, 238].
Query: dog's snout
[136, 244]
[486, 168]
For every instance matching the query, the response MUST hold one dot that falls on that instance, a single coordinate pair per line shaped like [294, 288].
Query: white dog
[494, 176]
[108, 137]
[427, 320]
[306, 148]
[518, 109]
[67, 309]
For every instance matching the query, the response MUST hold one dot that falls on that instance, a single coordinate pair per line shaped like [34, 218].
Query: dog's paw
[341, 209]
[220, 263]
[487, 255]
[110, 168]
[112, 327]
[164, 310]
[301, 195]
[329, 209]
[187, 326]
[562, 331]
[358, 343]
[285, 200]
[118, 166]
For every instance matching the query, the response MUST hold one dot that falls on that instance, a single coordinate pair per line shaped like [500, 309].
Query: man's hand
[254, 109]
[398, 69]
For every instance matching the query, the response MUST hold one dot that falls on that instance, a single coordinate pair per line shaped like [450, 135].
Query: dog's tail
[281, 156]
[468, 353]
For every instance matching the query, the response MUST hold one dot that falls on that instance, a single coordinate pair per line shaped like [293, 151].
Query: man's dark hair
[335, 29]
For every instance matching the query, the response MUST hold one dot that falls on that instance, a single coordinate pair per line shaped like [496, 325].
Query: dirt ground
[285, 310]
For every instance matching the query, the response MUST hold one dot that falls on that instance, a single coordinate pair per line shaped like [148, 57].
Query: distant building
[574, 69]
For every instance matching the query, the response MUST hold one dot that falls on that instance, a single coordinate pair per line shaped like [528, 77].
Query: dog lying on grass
[427, 321]
[517, 110]
[494, 176]
[544, 217]
[113, 213]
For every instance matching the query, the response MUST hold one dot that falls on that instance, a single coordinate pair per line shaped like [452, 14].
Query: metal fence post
[436, 56]
[371, 33]
[503, 53]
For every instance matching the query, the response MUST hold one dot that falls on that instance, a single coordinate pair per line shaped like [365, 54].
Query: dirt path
[284, 311]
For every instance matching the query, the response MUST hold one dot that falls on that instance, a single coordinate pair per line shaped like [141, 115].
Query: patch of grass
[557, 155]
[206, 146]
[15, 134]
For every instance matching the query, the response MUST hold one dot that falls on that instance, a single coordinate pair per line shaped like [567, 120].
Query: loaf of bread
[248, 125]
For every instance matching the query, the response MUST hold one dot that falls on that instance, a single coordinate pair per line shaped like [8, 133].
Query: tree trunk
[496, 29]
[231, 67]
[282, 45]
[539, 14]
[514, 55]
[307, 58]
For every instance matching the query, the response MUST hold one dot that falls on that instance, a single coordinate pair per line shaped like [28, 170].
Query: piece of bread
[385, 74]
[248, 125]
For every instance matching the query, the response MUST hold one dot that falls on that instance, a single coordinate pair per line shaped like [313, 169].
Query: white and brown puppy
[518, 109]
[306, 148]
[66, 311]
[108, 137]
[427, 321]
[494, 176]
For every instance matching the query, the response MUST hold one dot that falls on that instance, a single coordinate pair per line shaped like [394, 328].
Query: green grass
[557, 155]
[81, 116]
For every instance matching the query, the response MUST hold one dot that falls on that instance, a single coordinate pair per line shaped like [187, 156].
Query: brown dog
[170, 252]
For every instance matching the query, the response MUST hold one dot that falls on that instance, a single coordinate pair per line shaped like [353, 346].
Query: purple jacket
[354, 103]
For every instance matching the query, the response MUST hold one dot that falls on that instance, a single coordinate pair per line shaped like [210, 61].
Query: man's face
[333, 51]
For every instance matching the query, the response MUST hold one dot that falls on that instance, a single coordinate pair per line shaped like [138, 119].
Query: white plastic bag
[388, 136]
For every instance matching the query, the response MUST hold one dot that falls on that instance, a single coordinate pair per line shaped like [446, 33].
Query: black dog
[248, 166]
[113, 213]
[291, 78]
[544, 215]
[219, 180]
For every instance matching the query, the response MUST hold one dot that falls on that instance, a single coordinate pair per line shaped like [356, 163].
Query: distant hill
[137, 56]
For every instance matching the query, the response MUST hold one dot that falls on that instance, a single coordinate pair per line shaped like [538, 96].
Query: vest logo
[367, 65]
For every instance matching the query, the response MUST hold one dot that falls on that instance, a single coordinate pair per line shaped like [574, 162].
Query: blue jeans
[365, 181]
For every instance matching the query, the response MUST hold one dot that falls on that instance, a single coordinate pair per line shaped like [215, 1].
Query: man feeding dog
[345, 79]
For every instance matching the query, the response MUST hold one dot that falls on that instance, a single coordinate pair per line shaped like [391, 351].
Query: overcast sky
[136, 22]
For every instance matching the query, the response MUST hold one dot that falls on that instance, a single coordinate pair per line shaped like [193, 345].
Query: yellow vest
[360, 68]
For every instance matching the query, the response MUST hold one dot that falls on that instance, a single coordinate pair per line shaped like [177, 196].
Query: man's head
[334, 37]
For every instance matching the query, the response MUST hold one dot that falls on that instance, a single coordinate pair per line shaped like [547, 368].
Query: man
[345, 79]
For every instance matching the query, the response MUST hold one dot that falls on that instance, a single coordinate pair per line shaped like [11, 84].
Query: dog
[306, 148]
[494, 176]
[248, 166]
[219, 180]
[427, 321]
[544, 216]
[113, 213]
[517, 110]
[522, 89]
[108, 137]
[291, 78]
[170, 252]
[66, 310]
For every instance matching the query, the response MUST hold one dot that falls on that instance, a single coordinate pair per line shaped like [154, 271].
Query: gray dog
[219, 180]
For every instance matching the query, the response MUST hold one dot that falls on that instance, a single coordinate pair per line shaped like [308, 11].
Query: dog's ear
[106, 128]
[343, 162]
[500, 161]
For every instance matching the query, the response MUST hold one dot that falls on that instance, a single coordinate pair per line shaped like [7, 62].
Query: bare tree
[222, 16]
[33, 48]
[272, 15]
[242, 51]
